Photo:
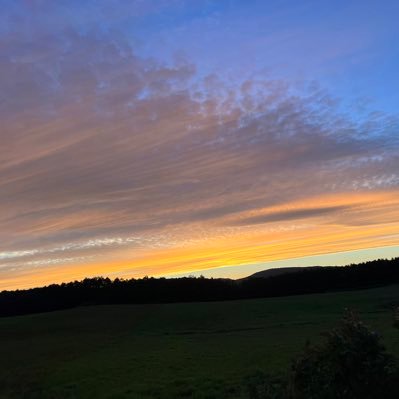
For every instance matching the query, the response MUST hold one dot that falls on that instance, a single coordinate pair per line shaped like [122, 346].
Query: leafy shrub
[351, 364]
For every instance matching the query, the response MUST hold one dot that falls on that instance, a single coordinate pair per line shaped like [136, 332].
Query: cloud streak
[291, 215]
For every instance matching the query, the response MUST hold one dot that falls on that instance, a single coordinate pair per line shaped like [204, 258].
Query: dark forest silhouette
[100, 290]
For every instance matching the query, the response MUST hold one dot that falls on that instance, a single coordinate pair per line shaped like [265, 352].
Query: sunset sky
[179, 137]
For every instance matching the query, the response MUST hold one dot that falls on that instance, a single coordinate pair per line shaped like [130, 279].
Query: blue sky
[348, 46]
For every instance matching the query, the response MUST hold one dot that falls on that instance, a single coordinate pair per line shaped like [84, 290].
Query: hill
[281, 270]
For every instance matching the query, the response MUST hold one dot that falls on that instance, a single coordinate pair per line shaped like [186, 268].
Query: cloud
[291, 215]
[99, 143]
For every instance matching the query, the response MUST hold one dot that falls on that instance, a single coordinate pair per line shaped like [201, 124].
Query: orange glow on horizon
[264, 242]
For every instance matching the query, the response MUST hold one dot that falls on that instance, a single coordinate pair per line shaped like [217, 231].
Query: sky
[188, 137]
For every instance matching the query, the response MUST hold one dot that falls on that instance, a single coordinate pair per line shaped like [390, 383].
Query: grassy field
[193, 350]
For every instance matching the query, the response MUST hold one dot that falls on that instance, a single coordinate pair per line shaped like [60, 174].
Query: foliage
[351, 364]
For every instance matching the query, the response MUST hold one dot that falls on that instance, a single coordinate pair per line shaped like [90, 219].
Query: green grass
[193, 350]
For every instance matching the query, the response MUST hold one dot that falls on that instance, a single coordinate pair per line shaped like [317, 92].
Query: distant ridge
[278, 282]
[282, 270]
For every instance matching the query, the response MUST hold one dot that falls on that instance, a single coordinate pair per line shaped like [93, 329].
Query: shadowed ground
[191, 350]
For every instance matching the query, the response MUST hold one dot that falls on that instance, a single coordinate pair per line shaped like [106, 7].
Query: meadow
[184, 350]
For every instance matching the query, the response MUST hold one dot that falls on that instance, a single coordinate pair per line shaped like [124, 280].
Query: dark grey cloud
[282, 216]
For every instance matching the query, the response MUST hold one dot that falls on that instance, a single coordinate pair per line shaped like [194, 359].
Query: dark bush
[351, 364]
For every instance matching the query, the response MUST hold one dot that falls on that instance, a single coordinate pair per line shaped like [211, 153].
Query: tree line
[102, 290]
